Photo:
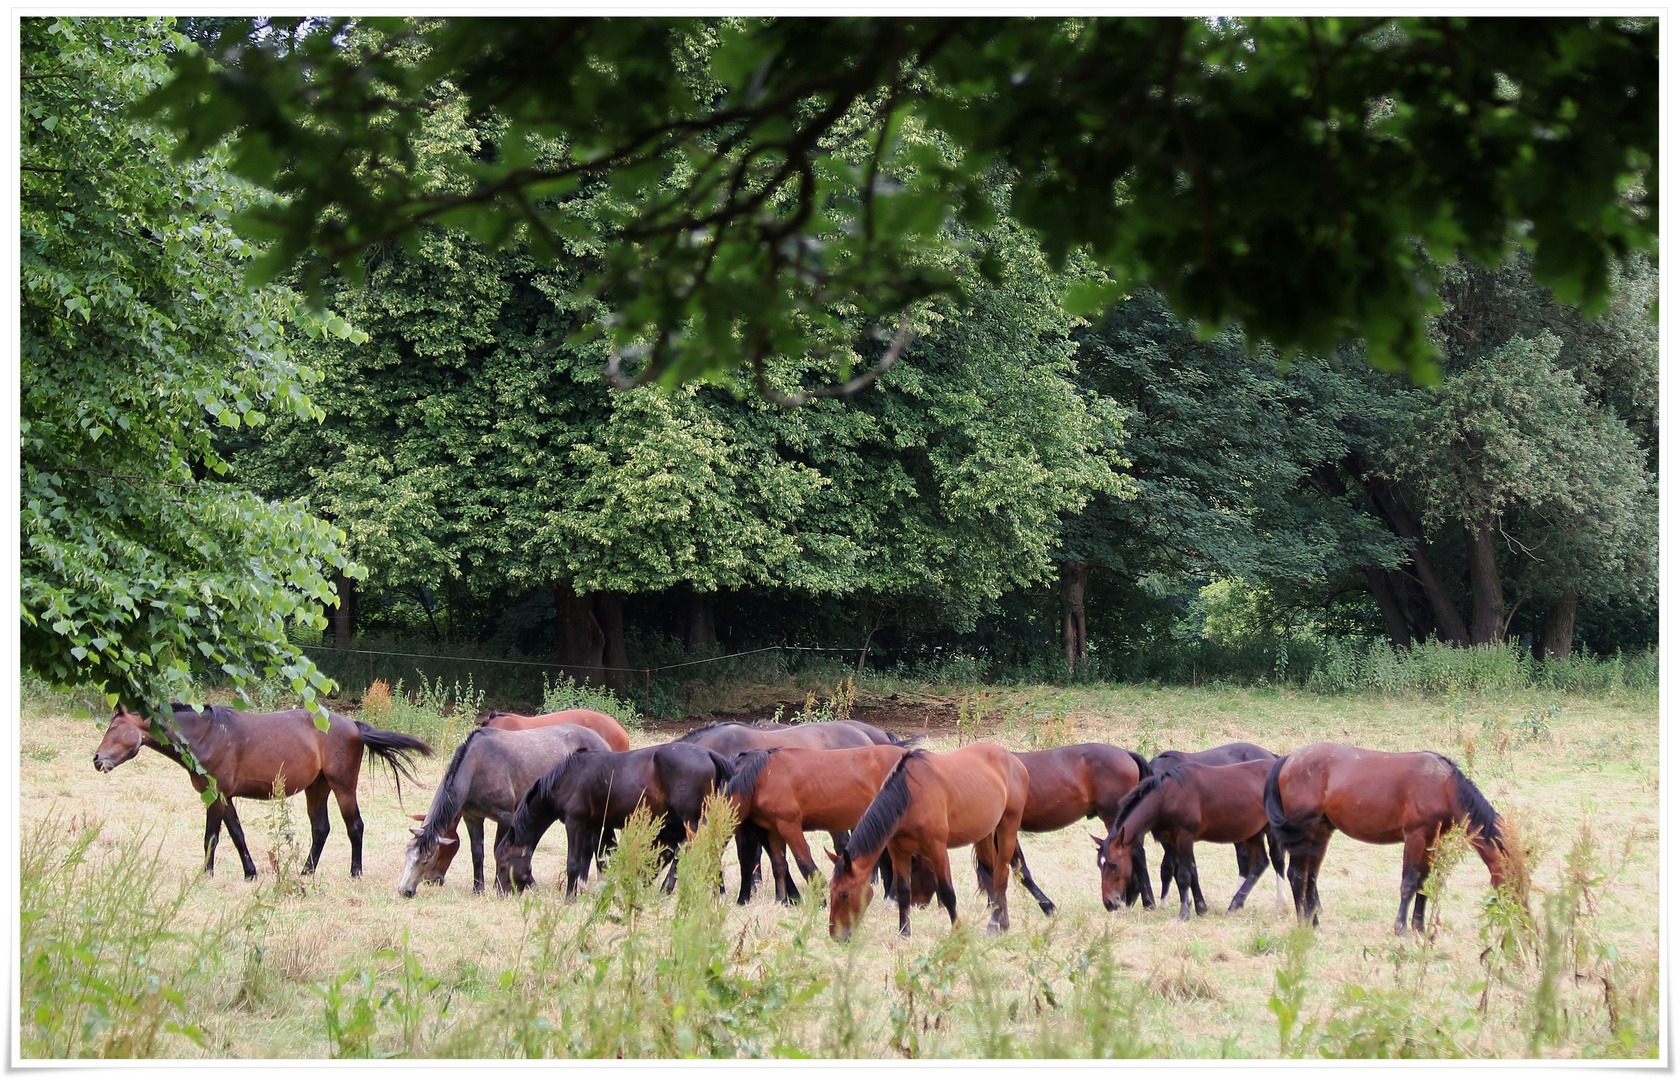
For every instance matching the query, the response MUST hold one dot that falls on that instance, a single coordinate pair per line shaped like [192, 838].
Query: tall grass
[1347, 666]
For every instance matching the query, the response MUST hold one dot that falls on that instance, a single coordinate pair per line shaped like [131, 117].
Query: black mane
[1150, 782]
[446, 804]
[885, 812]
[745, 779]
[1483, 817]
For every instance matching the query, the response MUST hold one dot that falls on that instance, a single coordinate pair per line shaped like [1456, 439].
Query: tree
[142, 564]
[1275, 172]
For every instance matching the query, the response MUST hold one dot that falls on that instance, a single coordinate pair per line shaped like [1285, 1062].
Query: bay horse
[1067, 783]
[1220, 804]
[246, 752]
[600, 723]
[490, 772]
[1377, 798]
[1227, 754]
[731, 738]
[595, 793]
[786, 790]
[928, 805]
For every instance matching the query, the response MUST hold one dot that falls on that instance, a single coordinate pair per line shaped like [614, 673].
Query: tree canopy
[1276, 172]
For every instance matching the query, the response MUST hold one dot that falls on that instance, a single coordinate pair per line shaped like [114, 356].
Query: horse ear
[418, 833]
[1101, 843]
[418, 817]
[833, 858]
[448, 841]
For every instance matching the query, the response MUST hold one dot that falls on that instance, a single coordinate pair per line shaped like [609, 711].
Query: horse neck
[190, 734]
[1140, 820]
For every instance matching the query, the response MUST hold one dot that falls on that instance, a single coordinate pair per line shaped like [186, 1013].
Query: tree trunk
[342, 622]
[1398, 632]
[1074, 572]
[609, 613]
[582, 645]
[1487, 592]
[701, 631]
[1448, 621]
[1557, 632]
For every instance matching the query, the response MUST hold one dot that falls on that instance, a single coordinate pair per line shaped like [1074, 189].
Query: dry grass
[1195, 989]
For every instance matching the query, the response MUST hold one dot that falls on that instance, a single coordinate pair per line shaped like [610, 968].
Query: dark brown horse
[1379, 798]
[1219, 804]
[594, 794]
[731, 738]
[610, 730]
[489, 773]
[1068, 783]
[600, 723]
[245, 752]
[1228, 754]
[930, 804]
[786, 790]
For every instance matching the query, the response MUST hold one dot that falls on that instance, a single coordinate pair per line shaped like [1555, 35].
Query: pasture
[306, 967]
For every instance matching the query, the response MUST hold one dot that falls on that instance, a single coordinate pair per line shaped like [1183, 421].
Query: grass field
[328, 965]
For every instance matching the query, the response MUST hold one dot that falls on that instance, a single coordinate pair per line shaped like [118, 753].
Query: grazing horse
[786, 790]
[1228, 754]
[244, 753]
[730, 738]
[1378, 798]
[1067, 783]
[930, 804]
[491, 771]
[595, 793]
[600, 723]
[1219, 804]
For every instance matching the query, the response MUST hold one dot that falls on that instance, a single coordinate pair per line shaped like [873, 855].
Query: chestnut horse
[928, 805]
[245, 752]
[730, 737]
[1220, 804]
[1067, 783]
[595, 793]
[1377, 798]
[489, 773]
[600, 723]
[1228, 754]
[786, 790]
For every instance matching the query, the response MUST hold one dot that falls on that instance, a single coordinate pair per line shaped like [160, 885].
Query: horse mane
[446, 804]
[1150, 782]
[1483, 817]
[885, 811]
[491, 715]
[699, 731]
[542, 790]
[745, 780]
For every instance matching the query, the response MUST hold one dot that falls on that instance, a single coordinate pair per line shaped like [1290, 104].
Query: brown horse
[930, 804]
[786, 790]
[1378, 798]
[730, 738]
[600, 723]
[1068, 783]
[1228, 754]
[1219, 804]
[245, 752]
[610, 730]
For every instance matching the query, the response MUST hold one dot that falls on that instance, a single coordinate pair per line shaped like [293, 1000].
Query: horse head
[1114, 864]
[124, 736]
[849, 894]
[513, 867]
[421, 860]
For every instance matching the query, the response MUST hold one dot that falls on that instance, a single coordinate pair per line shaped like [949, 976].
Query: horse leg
[236, 833]
[1414, 868]
[901, 893]
[939, 861]
[1169, 867]
[212, 834]
[1313, 867]
[578, 853]
[475, 834]
[1195, 877]
[1298, 883]
[353, 828]
[315, 797]
[1256, 863]
[1020, 863]
[777, 849]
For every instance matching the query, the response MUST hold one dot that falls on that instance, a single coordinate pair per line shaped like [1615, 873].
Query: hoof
[1048, 908]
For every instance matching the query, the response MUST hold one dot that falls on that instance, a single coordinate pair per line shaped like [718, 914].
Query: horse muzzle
[101, 765]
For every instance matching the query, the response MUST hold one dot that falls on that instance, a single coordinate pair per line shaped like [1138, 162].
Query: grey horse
[490, 772]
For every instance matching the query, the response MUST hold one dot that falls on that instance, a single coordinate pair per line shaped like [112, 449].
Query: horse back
[1372, 795]
[1072, 782]
[823, 789]
[1228, 800]
[969, 792]
[247, 751]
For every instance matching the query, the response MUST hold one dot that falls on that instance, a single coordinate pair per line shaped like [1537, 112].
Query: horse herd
[893, 810]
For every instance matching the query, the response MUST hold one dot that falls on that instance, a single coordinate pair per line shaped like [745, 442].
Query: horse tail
[1472, 804]
[722, 770]
[1142, 766]
[1274, 848]
[748, 765]
[394, 749]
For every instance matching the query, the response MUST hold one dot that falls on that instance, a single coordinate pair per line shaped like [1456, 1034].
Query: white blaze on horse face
[415, 868]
